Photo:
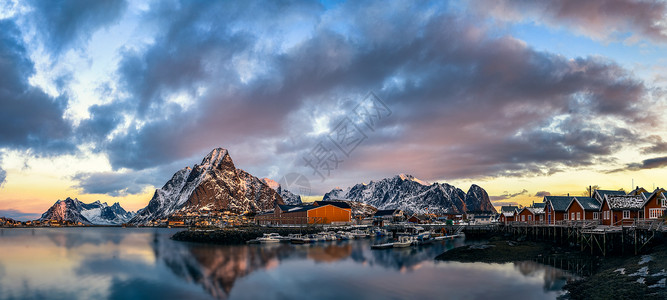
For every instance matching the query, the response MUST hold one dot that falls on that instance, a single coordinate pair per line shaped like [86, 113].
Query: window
[578, 216]
[626, 214]
[523, 218]
[541, 217]
[565, 216]
[663, 203]
[595, 215]
[606, 215]
[572, 217]
[529, 217]
[655, 213]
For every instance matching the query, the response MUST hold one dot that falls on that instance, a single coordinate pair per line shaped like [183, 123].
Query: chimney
[590, 191]
[568, 194]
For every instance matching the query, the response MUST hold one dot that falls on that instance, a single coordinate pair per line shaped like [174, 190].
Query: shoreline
[235, 236]
[613, 277]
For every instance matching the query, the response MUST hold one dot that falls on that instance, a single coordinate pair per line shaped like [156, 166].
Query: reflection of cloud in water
[138, 288]
[71, 238]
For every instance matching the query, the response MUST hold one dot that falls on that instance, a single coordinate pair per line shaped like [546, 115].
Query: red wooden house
[531, 215]
[555, 208]
[655, 205]
[508, 213]
[620, 209]
[583, 208]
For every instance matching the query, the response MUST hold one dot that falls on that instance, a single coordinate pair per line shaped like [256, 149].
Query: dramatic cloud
[270, 80]
[658, 145]
[29, 118]
[517, 111]
[542, 194]
[506, 195]
[64, 23]
[604, 20]
[651, 163]
[125, 183]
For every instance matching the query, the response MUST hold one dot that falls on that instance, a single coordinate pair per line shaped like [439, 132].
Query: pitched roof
[627, 202]
[285, 207]
[508, 208]
[602, 193]
[588, 203]
[295, 208]
[646, 195]
[539, 205]
[384, 212]
[559, 203]
[536, 210]
[334, 203]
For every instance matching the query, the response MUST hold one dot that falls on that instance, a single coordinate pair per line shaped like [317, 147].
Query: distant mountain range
[215, 184]
[410, 194]
[96, 213]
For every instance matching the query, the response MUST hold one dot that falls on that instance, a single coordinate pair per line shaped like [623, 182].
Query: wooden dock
[587, 235]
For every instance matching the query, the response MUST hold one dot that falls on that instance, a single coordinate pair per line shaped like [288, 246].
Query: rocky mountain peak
[408, 177]
[217, 159]
[215, 184]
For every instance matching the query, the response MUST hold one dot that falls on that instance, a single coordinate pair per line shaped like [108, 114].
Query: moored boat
[403, 241]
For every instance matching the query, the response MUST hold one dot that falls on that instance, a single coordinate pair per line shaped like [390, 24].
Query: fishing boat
[358, 234]
[403, 241]
[299, 239]
[423, 238]
[382, 246]
[269, 238]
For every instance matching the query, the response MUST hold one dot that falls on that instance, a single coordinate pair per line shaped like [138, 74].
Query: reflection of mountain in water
[216, 268]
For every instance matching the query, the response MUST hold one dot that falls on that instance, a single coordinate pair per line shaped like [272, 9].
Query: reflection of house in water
[554, 278]
[330, 253]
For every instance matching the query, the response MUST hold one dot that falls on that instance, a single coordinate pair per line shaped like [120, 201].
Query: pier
[587, 235]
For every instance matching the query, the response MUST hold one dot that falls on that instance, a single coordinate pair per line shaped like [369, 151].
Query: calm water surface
[143, 263]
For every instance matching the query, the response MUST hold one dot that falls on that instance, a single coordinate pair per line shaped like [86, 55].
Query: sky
[106, 100]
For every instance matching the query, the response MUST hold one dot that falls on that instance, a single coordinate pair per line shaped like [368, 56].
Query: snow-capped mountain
[410, 194]
[96, 213]
[215, 184]
[288, 197]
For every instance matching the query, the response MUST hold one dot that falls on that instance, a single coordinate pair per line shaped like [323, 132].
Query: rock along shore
[233, 236]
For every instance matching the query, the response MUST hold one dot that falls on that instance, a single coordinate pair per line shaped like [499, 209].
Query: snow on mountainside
[288, 197]
[215, 184]
[96, 213]
[410, 194]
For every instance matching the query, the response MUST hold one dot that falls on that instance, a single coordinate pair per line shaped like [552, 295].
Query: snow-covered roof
[508, 213]
[602, 193]
[625, 202]
[532, 210]
[508, 208]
